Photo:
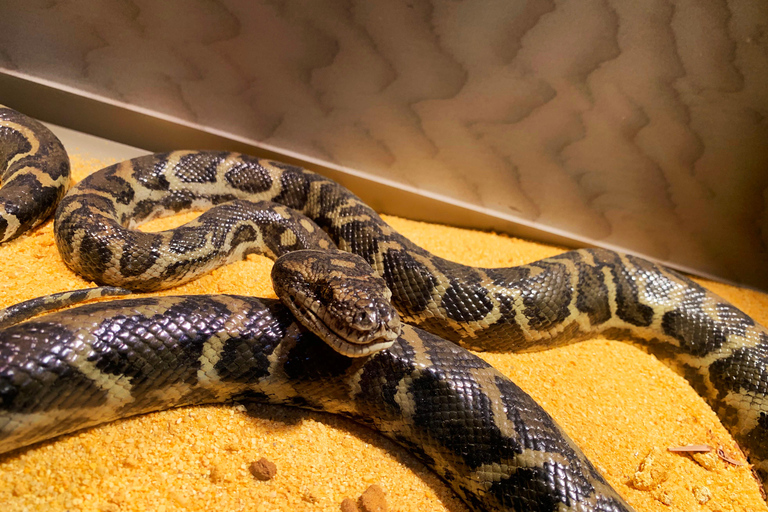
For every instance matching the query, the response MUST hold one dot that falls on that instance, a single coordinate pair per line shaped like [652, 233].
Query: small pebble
[373, 500]
[708, 461]
[263, 469]
[651, 473]
[130, 462]
[349, 505]
[217, 475]
[702, 494]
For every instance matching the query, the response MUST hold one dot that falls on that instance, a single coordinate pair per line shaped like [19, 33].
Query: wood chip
[307, 495]
[691, 448]
[729, 458]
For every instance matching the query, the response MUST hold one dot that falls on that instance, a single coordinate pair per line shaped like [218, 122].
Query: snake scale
[433, 397]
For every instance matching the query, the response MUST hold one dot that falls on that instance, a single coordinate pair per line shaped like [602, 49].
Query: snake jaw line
[344, 339]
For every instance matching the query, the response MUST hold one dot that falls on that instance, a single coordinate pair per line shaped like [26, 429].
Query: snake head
[338, 297]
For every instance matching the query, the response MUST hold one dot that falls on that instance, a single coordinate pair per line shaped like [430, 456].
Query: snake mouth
[366, 332]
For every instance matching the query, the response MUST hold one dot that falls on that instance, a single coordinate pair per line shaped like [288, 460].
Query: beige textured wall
[641, 125]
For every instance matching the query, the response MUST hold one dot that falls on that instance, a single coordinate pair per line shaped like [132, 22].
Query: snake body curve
[35, 173]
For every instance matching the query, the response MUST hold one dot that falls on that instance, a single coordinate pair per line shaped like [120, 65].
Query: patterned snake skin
[100, 362]
[526, 465]
[35, 173]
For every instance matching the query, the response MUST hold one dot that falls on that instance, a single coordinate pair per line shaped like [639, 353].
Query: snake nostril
[366, 318]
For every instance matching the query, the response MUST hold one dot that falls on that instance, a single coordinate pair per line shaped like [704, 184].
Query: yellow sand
[620, 405]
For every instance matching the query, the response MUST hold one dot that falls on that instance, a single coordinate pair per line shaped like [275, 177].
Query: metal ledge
[129, 125]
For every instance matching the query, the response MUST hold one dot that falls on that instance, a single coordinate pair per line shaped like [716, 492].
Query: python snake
[546, 303]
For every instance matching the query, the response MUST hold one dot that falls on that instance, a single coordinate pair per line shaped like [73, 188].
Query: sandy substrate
[622, 406]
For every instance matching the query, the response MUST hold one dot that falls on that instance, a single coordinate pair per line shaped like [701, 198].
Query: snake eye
[324, 292]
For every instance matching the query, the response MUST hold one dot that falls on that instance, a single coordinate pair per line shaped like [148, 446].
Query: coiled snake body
[513, 465]
[35, 173]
